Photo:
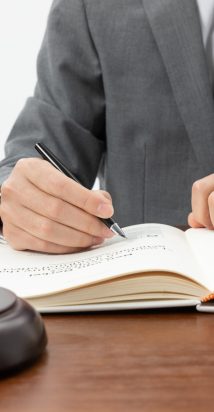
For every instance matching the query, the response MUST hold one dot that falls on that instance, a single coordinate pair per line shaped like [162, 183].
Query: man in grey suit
[123, 92]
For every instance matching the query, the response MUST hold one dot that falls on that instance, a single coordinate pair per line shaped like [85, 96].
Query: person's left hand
[202, 214]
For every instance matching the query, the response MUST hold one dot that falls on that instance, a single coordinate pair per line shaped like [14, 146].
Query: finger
[62, 212]
[46, 229]
[200, 193]
[21, 240]
[50, 180]
[192, 222]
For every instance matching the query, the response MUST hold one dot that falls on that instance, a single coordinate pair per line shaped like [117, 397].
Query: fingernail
[105, 209]
[107, 195]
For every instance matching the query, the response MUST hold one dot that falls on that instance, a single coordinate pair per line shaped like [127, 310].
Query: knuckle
[7, 188]
[58, 183]
[22, 164]
[198, 186]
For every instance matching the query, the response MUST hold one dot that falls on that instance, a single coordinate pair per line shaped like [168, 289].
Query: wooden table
[135, 361]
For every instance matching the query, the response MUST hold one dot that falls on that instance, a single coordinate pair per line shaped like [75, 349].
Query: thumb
[105, 194]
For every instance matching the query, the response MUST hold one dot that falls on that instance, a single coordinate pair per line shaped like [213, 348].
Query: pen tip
[116, 229]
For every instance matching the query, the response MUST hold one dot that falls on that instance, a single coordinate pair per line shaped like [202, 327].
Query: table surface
[126, 361]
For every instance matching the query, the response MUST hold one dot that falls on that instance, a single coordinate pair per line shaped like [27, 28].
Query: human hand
[44, 210]
[202, 214]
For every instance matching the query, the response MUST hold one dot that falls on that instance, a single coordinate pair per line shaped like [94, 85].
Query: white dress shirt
[206, 13]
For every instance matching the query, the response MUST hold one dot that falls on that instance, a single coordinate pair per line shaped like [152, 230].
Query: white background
[22, 26]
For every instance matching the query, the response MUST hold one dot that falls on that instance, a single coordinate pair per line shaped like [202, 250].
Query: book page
[149, 247]
[202, 244]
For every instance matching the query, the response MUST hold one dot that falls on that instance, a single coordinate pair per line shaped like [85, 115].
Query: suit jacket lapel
[176, 28]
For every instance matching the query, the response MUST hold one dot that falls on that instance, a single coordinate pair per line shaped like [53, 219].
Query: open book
[156, 266]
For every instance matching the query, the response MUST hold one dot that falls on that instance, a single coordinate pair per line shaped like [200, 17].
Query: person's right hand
[44, 210]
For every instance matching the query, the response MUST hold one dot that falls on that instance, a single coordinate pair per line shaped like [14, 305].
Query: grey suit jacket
[123, 91]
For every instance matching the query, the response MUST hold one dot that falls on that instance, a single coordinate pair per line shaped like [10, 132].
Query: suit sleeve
[67, 110]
